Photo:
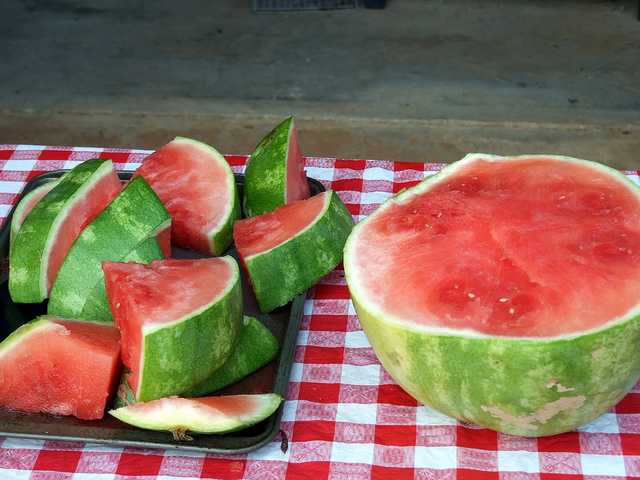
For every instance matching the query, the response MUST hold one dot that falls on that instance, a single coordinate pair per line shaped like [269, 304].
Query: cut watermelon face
[60, 367]
[180, 320]
[53, 224]
[198, 187]
[288, 250]
[274, 174]
[207, 415]
[504, 291]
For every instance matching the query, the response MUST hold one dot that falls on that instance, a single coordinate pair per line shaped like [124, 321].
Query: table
[344, 417]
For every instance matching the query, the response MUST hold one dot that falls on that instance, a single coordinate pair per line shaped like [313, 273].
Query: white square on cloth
[356, 413]
[360, 374]
[440, 458]
[518, 461]
[348, 452]
[606, 465]
[19, 165]
[377, 173]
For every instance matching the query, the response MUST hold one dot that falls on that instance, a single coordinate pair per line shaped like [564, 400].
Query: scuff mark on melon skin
[559, 388]
[543, 415]
[597, 353]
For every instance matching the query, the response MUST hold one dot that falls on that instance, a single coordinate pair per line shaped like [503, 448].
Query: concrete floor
[420, 80]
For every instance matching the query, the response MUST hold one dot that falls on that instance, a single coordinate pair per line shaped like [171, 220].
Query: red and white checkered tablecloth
[344, 417]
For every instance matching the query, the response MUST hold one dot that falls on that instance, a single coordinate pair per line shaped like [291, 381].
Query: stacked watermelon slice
[163, 331]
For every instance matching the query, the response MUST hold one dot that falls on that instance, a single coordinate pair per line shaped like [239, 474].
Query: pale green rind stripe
[289, 269]
[256, 348]
[264, 186]
[29, 257]
[179, 355]
[96, 306]
[131, 218]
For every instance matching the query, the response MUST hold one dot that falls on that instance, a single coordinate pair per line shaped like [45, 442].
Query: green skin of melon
[29, 258]
[292, 267]
[522, 386]
[132, 218]
[256, 348]
[265, 177]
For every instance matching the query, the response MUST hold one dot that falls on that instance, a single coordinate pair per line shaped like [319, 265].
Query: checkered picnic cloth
[344, 416]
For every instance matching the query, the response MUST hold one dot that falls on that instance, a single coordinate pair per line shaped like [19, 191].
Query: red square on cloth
[136, 464]
[55, 461]
[223, 468]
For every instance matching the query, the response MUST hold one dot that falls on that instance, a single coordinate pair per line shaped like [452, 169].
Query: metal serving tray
[284, 323]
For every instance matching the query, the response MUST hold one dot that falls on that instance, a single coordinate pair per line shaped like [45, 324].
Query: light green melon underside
[133, 217]
[520, 387]
[179, 415]
[179, 355]
[289, 269]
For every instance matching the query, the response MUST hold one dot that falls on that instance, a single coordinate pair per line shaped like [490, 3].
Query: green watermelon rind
[18, 214]
[164, 371]
[569, 381]
[170, 418]
[291, 268]
[29, 257]
[96, 306]
[134, 216]
[265, 174]
[256, 348]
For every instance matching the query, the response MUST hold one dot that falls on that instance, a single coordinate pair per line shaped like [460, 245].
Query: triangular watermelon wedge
[180, 320]
[198, 187]
[54, 223]
[275, 174]
[60, 367]
[288, 250]
[207, 415]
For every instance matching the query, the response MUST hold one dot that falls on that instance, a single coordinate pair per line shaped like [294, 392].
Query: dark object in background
[374, 3]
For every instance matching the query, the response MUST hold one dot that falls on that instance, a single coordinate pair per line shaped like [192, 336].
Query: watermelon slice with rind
[60, 367]
[256, 348]
[180, 320]
[53, 224]
[505, 291]
[275, 174]
[133, 217]
[208, 415]
[25, 205]
[198, 187]
[288, 250]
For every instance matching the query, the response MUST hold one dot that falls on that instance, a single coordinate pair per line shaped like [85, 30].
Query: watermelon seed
[428, 226]
[512, 311]
[503, 300]
[471, 295]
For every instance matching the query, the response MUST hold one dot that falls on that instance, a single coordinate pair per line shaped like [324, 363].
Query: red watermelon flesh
[60, 367]
[297, 184]
[148, 296]
[194, 189]
[258, 234]
[558, 250]
[79, 216]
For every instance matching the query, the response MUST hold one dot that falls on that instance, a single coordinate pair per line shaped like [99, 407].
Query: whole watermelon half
[505, 291]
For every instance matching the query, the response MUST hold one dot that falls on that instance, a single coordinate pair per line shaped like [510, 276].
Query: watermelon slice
[133, 217]
[207, 415]
[180, 320]
[506, 291]
[288, 250]
[198, 187]
[25, 205]
[257, 347]
[53, 224]
[60, 367]
[275, 174]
